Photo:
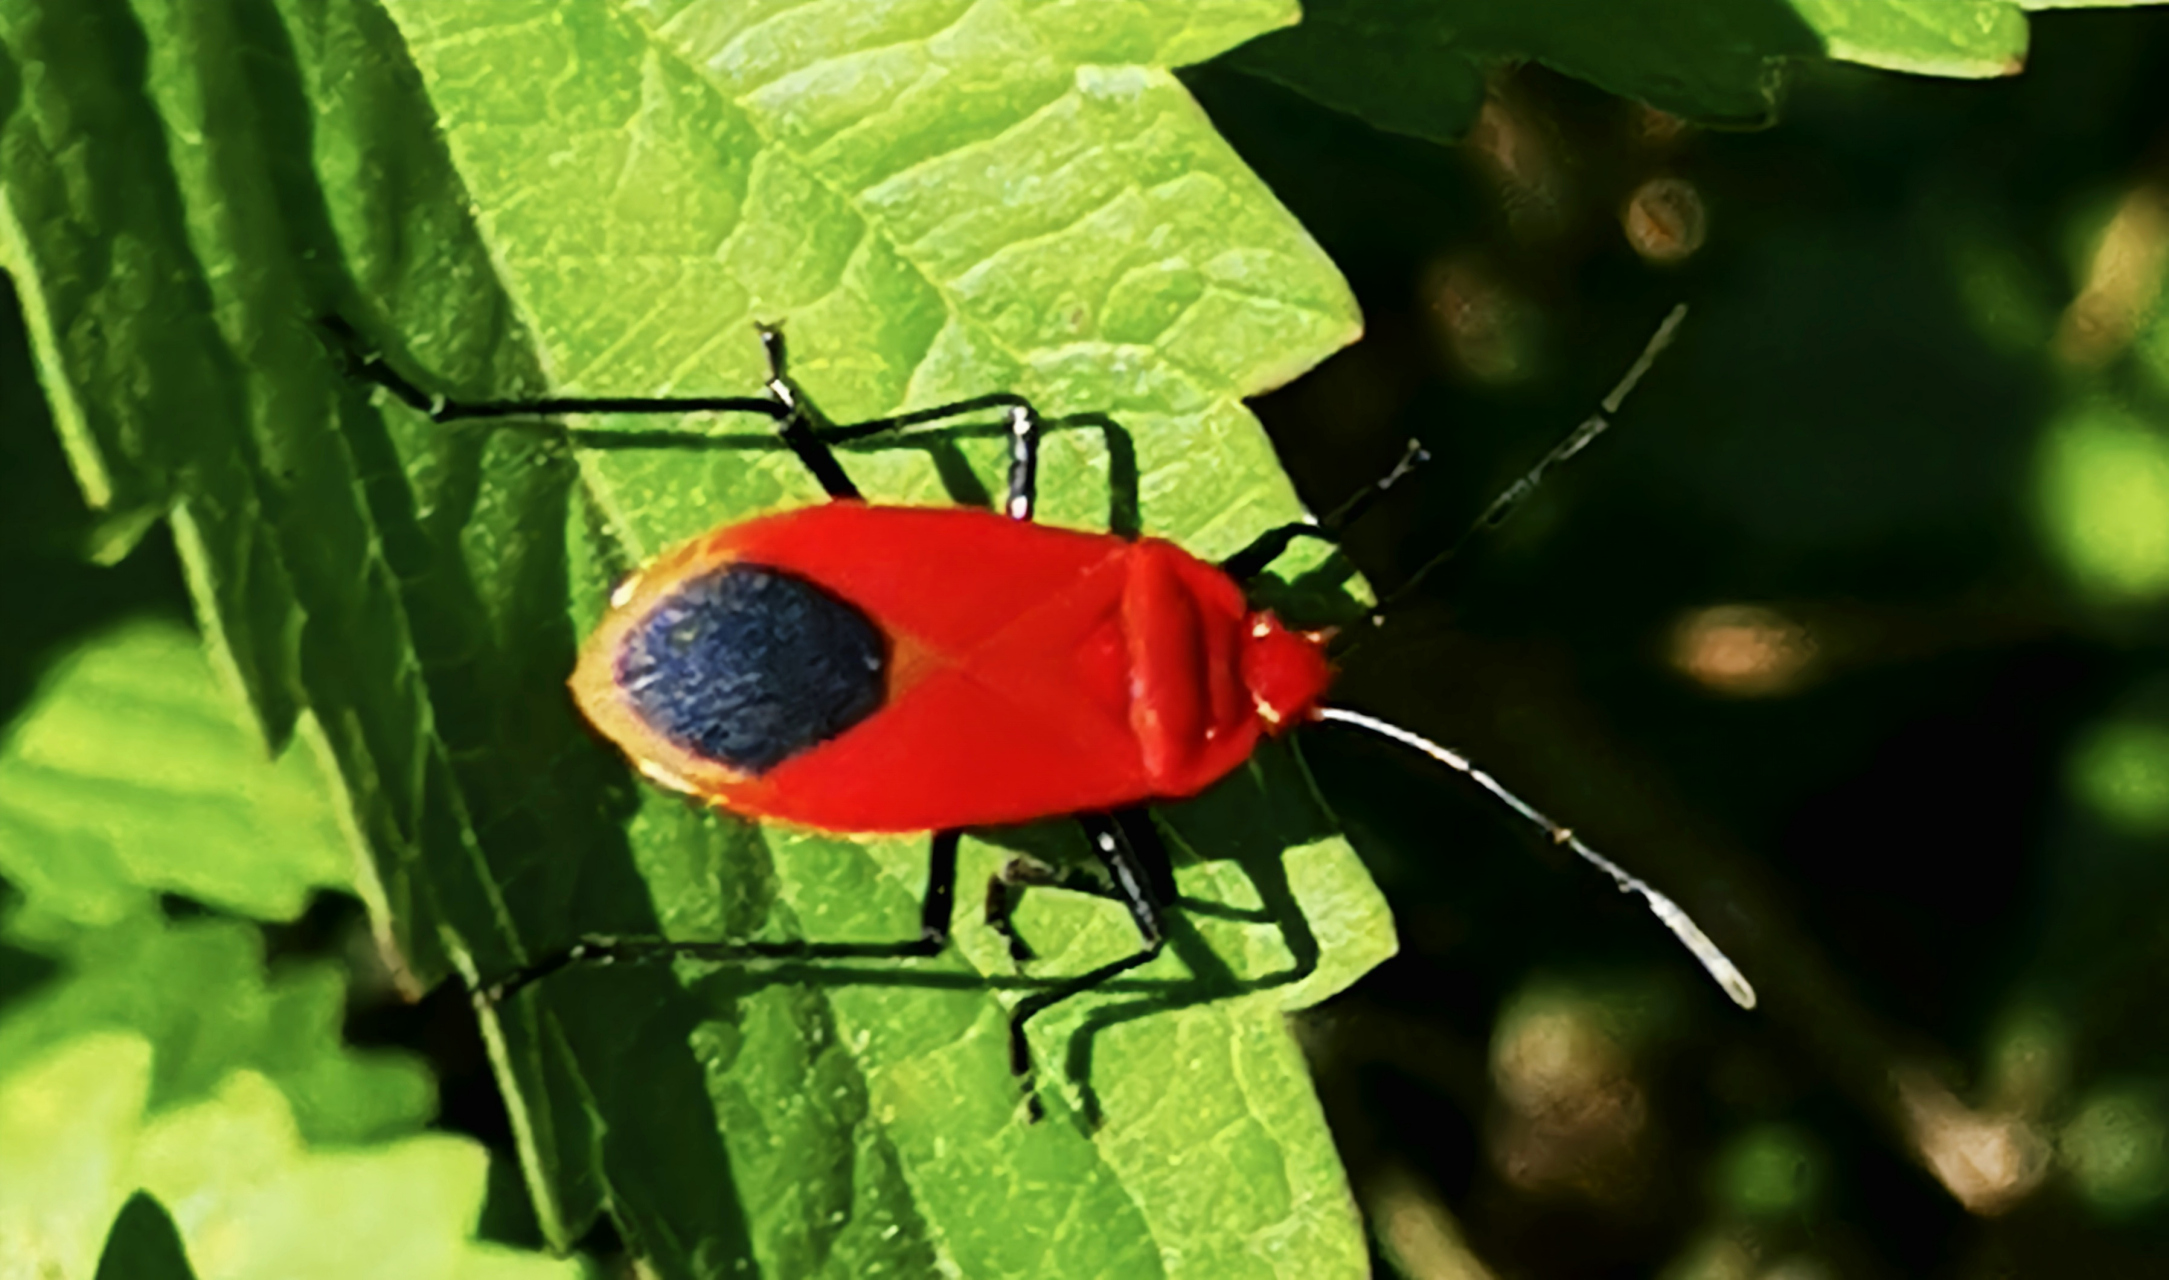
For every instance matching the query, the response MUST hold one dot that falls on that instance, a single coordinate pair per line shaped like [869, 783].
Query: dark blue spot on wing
[750, 666]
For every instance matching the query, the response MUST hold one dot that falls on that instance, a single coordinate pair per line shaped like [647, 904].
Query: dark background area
[1789, 640]
[1835, 477]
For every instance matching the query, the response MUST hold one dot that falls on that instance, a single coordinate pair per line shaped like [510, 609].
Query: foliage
[933, 213]
[1419, 66]
[146, 1062]
[937, 199]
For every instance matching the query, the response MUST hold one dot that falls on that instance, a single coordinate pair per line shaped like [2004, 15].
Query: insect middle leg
[1128, 847]
[1024, 425]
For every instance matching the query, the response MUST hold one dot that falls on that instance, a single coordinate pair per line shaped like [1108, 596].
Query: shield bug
[860, 667]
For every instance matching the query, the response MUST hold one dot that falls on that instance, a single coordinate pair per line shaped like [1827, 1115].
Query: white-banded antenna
[1720, 966]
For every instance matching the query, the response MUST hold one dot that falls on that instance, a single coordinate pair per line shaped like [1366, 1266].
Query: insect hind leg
[1128, 845]
[936, 908]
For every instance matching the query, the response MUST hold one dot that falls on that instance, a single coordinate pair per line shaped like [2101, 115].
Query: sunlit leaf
[937, 200]
[76, 1142]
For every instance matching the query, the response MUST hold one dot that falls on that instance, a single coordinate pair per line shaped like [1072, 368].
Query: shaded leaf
[144, 1244]
[1419, 66]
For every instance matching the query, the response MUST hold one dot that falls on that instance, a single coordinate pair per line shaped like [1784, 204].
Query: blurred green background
[1848, 635]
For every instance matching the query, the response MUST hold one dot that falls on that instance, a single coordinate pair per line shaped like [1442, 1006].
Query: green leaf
[132, 774]
[77, 1140]
[198, 992]
[939, 199]
[1419, 66]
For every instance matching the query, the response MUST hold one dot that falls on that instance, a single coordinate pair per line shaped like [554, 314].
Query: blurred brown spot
[1988, 1162]
[1479, 326]
[1798, 1267]
[1575, 1114]
[1665, 220]
[1512, 144]
[1658, 128]
[1720, 1259]
[2122, 281]
[1416, 1229]
[1747, 651]
[1741, 1255]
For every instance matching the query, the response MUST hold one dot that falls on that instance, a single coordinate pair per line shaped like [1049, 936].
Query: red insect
[1006, 671]
[866, 668]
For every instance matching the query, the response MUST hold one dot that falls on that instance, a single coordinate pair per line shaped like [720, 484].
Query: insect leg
[1026, 429]
[797, 423]
[936, 907]
[800, 427]
[1005, 888]
[359, 361]
[1129, 846]
[1022, 422]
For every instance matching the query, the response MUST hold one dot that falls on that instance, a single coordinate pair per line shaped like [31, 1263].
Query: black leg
[1023, 462]
[1026, 429]
[798, 424]
[936, 906]
[360, 361]
[1005, 888]
[1268, 546]
[1022, 423]
[1129, 846]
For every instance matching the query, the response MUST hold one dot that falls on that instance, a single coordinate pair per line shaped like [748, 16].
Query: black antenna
[1517, 493]
[1720, 967]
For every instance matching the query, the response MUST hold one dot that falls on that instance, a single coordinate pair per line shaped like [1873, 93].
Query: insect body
[866, 668]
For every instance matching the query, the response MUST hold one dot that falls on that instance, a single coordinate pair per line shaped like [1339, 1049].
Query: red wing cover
[1032, 671]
